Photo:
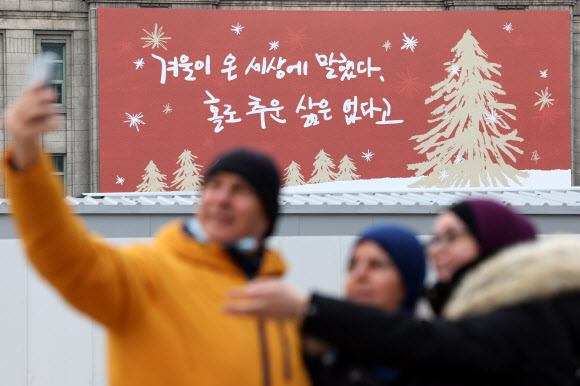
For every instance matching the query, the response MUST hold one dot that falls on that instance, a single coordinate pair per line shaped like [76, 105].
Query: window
[59, 161]
[58, 76]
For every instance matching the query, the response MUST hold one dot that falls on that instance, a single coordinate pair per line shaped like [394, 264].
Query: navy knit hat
[494, 226]
[406, 252]
[259, 170]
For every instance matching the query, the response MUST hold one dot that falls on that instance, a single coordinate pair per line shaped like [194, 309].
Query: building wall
[43, 341]
[24, 26]
[26, 23]
[575, 86]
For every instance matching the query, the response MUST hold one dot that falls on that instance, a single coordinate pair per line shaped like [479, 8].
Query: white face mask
[246, 244]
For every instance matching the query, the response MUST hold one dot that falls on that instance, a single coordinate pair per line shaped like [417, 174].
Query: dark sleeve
[567, 307]
[442, 349]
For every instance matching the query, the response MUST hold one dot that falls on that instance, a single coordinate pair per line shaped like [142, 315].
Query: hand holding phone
[42, 68]
[33, 113]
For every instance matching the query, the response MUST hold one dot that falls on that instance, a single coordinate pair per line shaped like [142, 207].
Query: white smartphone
[41, 68]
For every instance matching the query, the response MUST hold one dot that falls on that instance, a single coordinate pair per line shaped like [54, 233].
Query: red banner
[423, 99]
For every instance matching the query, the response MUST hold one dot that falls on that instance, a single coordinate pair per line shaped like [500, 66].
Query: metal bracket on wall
[153, 5]
[511, 7]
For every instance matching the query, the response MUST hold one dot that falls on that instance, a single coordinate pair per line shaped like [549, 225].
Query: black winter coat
[334, 369]
[527, 335]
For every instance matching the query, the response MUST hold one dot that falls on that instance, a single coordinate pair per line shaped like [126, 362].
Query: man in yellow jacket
[161, 303]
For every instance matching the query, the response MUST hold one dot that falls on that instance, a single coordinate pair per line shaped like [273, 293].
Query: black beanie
[259, 170]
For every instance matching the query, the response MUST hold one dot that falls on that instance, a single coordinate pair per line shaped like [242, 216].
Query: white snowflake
[155, 39]
[508, 27]
[410, 42]
[134, 120]
[237, 29]
[545, 99]
[167, 109]
[544, 74]
[443, 174]
[454, 69]
[368, 155]
[387, 45]
[493, 117]
[139, 63]
[120, 180]
[274, 45]
[457, 159]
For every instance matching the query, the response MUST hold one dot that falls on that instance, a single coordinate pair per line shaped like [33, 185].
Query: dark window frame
[58, 62]
[57, 169]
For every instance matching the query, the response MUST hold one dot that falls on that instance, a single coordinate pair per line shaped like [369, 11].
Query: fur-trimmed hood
[530, 271]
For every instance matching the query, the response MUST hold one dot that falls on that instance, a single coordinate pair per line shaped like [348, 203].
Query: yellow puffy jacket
[161, 303]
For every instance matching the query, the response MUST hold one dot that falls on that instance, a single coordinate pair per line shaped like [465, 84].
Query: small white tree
[152, 180]
[346, 170]
[187, 177]
[535, 156]
[323, 166]
[292, 175]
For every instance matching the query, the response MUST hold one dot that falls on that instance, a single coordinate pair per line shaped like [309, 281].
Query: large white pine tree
[152, 180]
[471, 137]
[346, 170]
[323, 166]
[292, 175]
[187, 177]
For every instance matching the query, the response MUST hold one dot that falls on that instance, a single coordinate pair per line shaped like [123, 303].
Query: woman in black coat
[466, 235]
[514, 319]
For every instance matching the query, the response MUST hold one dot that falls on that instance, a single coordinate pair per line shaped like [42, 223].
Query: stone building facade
[69, 27]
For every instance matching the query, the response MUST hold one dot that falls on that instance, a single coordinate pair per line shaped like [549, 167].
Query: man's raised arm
[92, 275]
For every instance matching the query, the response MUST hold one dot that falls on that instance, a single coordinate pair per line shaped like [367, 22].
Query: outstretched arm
[93, 276]
[441, 350]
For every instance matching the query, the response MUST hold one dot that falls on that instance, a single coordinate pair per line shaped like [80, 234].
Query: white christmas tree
[152, 180]
[346, 170]
[292, 175]
[322, 169]
[470, 126]
[187, 177]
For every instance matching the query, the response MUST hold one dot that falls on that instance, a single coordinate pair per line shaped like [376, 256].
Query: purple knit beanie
[494, 225]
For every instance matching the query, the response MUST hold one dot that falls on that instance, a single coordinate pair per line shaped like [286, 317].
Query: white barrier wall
[46, 343]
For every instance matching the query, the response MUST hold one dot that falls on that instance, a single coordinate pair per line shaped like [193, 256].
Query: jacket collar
[211, 255]
[530, 271]
[439, 295]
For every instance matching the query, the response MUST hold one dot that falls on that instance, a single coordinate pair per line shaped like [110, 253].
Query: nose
[435, 253]
[222, 195]
[216, 196]
[359, 272]
[434, 248]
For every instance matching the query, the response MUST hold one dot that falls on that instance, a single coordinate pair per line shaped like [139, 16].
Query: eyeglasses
[441, 241]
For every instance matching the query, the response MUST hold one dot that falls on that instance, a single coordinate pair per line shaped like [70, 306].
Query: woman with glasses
[467, 234]
[513, 320]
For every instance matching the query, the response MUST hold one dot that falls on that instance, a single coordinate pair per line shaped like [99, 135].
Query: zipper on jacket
[264, 348]
[286, 359]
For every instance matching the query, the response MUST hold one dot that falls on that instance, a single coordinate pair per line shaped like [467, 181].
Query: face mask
[247, 244]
